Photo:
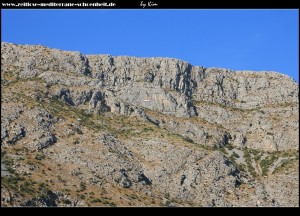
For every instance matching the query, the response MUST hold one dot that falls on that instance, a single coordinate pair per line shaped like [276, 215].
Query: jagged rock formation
[147, 131]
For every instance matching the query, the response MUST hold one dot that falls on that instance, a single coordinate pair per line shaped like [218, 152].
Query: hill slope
[98, 130]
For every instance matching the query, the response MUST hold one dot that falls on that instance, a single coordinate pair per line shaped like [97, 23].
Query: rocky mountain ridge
[156, 129]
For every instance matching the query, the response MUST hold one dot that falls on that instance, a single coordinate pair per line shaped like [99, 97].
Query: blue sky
[234, 39]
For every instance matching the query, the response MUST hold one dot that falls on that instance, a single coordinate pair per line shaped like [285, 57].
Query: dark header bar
[152, 4]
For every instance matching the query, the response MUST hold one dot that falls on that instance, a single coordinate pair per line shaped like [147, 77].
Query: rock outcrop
[173, 133]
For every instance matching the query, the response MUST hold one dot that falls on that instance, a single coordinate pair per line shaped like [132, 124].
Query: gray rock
[4, 171]
[193, 109]
[45, 141]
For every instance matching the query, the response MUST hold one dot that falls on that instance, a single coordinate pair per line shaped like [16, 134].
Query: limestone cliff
[156, 129]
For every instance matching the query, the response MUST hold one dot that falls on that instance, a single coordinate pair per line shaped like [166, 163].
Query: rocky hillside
[99, 130]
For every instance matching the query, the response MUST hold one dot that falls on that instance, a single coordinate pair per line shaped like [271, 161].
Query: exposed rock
[45, 141]
[4, 171]
[16, 133]
[148, 131]
[48, 200]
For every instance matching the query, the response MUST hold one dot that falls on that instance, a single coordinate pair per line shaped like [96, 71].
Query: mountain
[100, 130]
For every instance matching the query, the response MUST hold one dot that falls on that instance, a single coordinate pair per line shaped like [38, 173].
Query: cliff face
[162, 129]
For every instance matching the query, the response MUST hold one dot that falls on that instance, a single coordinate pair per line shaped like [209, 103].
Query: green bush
[66, 201]
[235, 155]
[40, 157]
[187, 139]
[82, 186]
[229, 147]
[96, 201]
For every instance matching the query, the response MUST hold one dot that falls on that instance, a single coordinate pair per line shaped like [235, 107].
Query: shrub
[235, 155]
[40, 157]
[229, 147]
[187, 139]
[96, 201]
